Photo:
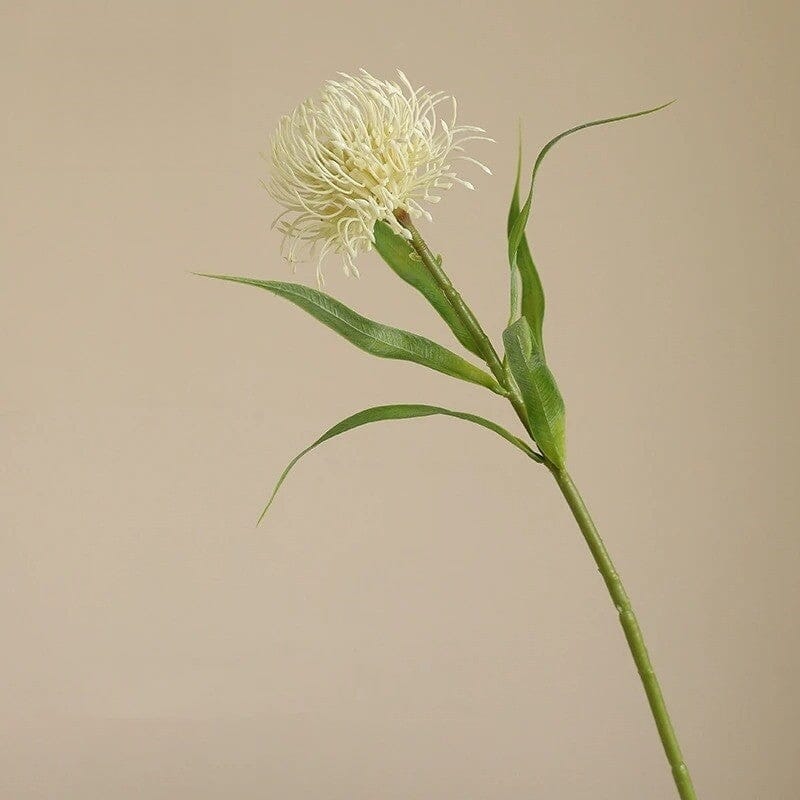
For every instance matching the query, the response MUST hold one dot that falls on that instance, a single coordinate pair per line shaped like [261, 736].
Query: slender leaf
[373, 337]
[543, 402]
[398, 253]
[532, 306]
[404, 411]
[527, 294]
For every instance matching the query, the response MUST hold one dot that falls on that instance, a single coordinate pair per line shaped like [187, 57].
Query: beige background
[419, 617]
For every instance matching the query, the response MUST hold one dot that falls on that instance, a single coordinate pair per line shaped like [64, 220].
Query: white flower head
[365, 148]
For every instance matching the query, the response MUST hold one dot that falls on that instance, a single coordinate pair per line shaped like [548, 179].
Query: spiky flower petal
[363, 149]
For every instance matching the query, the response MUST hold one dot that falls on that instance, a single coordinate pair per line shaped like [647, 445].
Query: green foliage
[527, 297]
[398, 253]
[543, 402]
[524, 342]
[390, 412]
[374, 337]
[527, 294]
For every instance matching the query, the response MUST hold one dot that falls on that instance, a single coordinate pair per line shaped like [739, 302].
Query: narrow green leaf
[527, 293]
[390, 412]
[519, 257]
[543, 402]
[373, 337]
[398, 253]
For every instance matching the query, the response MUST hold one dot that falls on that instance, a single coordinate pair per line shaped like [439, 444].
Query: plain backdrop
[418, 617]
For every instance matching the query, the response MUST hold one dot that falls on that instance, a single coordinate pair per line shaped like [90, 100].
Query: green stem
[484, 343]
[605, 565]
[434, 266]
[633, 634]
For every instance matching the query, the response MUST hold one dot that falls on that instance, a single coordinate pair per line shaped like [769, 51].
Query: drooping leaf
[398, 253]
[403, 411]
[527, 294]
[373, 337]
[543, 402]
[532, 306]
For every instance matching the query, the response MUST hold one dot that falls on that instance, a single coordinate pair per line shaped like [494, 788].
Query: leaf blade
[540, 394]
[399, 256]
[527, 292]
[394, 412]
[373, 337]
[518, 249]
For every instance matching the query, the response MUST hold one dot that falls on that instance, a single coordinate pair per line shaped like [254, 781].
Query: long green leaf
[532, 306]
[401, 257]
[527, 293]
[373, 337]
[403, 411]
[543, 402]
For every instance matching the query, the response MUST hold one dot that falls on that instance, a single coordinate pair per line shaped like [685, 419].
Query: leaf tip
[665, 105]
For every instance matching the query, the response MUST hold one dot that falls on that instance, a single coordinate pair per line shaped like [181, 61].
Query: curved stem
[633, 634]
[605, 565]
